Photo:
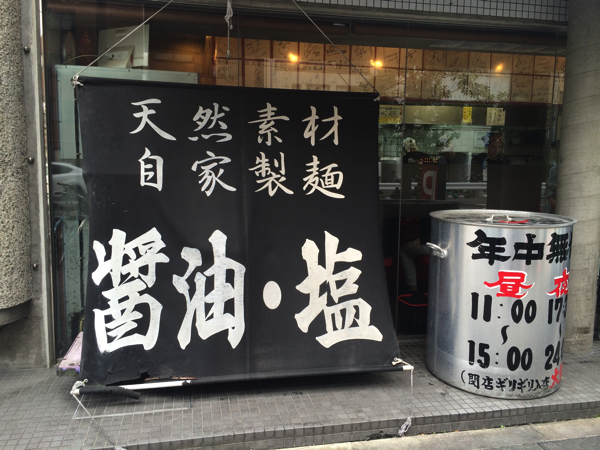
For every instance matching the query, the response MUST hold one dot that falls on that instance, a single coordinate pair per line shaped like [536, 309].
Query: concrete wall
[15, 272]
[21, 341]
[578, 193]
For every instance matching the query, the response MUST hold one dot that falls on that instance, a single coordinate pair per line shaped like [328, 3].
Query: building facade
[450, 76]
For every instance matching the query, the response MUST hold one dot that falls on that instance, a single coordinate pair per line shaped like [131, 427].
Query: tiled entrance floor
[36, 410]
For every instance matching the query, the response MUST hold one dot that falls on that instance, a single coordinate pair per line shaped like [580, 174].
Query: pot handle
[437, 250]
[491, 219]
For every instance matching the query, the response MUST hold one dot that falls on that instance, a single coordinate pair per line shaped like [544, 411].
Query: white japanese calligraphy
[204, 115]
[330, 179]
[339, 327]
[147, 173]
[267, 120]
[334, 129]
[270, 180]
[208, 178]
[216, 319]
[311, 128]
[125, 296]
[145, 120]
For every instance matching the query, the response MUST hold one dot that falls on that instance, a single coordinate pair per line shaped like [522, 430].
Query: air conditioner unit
[139, 40]
[118, 57]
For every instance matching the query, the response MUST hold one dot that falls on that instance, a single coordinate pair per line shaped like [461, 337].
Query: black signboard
[234, 233]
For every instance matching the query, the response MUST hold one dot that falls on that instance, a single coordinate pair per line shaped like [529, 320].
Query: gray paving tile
[35, 405]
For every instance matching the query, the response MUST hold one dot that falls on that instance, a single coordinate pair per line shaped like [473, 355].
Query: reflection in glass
[444, 103]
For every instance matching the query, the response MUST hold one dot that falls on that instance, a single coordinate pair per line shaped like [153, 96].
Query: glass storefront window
[439, 98]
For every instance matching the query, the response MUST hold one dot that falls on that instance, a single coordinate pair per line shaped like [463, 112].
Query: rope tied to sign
[404, 428]
[74, 389]
[74, 80]
[406, 366]
[339, 51]
[228, 16]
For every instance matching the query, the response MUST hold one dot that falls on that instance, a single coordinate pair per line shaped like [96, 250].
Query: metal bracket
[436, 250]
[404, 366]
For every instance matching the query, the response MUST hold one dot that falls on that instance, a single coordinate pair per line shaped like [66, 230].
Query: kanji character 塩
[341, 321]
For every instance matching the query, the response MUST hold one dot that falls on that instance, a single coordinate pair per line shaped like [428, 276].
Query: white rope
[336, 47]
[404, 428]
[406, 425]
[228, 16]
[74, 81]
[74, 389]
[77, 57]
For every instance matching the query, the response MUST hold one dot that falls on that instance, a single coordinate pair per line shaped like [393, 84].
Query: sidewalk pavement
[37, 411]
[583, 434]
